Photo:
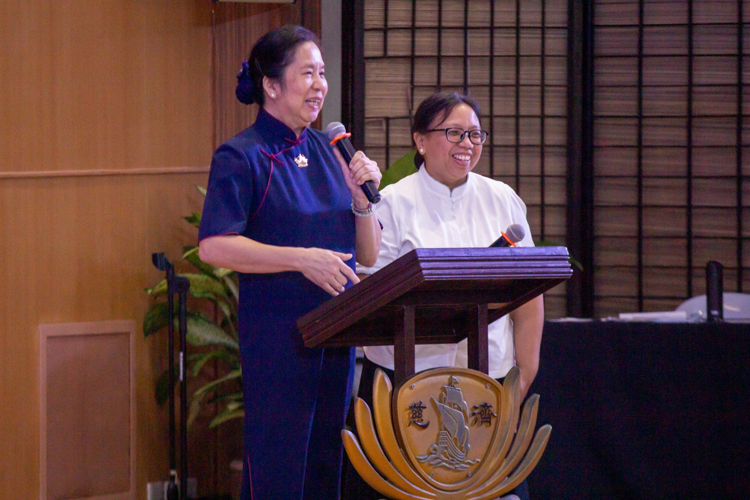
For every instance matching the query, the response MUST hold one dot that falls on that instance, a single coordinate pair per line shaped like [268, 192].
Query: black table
[644, 410]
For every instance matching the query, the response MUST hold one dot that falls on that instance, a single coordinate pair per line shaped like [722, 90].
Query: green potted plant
[214, 357]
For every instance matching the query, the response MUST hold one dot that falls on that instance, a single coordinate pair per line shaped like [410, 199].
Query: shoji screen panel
[670, 150]
[512, 58]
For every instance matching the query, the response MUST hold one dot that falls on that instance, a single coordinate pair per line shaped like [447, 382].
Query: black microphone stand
[179, 285]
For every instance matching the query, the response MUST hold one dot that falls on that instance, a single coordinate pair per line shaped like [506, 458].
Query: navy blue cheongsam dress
[270, 186]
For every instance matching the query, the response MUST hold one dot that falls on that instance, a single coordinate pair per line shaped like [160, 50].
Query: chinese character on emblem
[483, 414]
[416, 414]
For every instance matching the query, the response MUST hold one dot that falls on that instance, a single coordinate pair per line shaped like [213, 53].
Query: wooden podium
[436, 296]
[445, 433]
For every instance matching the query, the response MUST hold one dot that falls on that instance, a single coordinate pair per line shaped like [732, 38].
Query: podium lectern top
[442, 286]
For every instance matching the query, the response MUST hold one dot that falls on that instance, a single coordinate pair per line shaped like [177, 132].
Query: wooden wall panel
[110, 112]
[107, 126]
[104, 84]
[79, 249]
[87, 411]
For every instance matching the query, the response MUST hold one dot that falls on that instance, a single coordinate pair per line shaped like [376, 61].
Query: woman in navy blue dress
[285, 211]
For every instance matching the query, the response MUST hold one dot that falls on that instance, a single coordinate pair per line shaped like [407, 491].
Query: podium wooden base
[446, 433]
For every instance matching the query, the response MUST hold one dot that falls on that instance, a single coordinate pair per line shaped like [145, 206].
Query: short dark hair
[273, 52]
[440, 104]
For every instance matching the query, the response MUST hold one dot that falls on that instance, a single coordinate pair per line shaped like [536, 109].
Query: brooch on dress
[301, 161]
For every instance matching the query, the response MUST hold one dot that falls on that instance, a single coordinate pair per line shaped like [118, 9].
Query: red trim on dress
[272, 158]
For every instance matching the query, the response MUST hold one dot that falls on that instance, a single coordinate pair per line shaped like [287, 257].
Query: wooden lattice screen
[671, 159]
[512, 58]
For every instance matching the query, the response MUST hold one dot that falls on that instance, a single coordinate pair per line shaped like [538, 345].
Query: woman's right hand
[327, 269]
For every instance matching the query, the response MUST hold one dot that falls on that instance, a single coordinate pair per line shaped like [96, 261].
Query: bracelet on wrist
[362, 212]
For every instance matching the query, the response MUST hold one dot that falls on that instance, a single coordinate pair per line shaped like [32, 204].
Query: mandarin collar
[275, 131]
[441, 189]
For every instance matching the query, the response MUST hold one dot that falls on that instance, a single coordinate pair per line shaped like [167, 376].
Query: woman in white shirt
[445, 205]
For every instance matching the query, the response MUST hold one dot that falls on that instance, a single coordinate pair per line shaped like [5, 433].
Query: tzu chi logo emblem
[447, 433]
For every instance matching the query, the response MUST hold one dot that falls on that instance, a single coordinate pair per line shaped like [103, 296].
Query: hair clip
[244, 91]
[244, 71]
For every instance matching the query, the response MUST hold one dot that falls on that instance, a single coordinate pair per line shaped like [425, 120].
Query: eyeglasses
[457, 135]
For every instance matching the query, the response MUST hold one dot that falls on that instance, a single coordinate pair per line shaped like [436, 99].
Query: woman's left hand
[360, 170]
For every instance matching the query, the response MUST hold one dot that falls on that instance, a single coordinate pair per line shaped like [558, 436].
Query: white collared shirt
[420, 212]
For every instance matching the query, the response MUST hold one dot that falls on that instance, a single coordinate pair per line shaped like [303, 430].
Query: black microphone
[510, 237]
[338, 135]
[714, 292]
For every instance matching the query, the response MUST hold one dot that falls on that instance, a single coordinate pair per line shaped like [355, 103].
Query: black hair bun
[245, 87]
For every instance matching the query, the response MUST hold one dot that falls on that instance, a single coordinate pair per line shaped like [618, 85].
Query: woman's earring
[273, 96]
[421, 151]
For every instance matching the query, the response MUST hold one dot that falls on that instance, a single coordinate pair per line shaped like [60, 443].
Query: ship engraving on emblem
[452, 446]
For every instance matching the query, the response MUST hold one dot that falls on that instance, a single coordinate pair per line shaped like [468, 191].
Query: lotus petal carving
[451, 458]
